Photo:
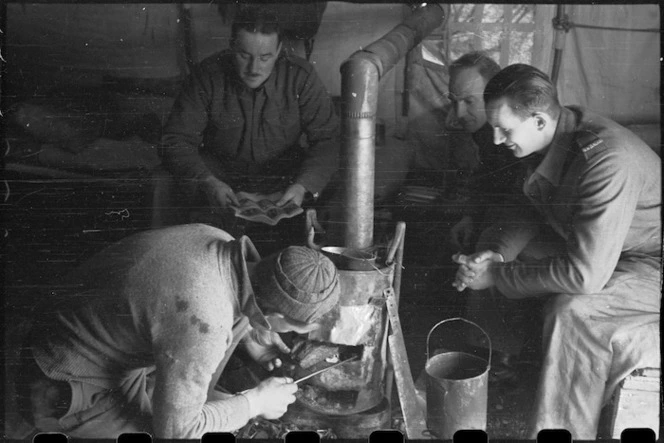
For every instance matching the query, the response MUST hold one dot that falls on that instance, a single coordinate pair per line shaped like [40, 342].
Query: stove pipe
[360, 76]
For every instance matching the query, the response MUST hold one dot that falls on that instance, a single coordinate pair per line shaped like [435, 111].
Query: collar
[243, 251]
[551, 166]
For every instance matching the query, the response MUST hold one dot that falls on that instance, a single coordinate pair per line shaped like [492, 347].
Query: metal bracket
[562, 24]
[414, 416]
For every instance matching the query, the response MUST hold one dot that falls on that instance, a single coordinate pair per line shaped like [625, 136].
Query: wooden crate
[635, 403]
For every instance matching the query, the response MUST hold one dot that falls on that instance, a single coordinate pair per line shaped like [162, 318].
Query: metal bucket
[457, 389]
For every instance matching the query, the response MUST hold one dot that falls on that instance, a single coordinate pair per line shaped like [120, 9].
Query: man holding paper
[238, 121]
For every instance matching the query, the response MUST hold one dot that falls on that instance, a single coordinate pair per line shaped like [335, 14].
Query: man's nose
[498, 136]
[460, 109]
[253, 65]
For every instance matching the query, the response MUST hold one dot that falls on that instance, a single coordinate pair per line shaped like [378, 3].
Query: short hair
[528, 90]
[486, 66]
[255, 19]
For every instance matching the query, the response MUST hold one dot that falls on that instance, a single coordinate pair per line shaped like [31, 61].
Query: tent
[86, 87]
[605, 57]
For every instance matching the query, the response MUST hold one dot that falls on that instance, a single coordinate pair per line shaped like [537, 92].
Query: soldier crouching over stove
[135, 339]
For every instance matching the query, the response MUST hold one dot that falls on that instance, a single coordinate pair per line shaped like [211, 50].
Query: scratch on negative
[123, 213]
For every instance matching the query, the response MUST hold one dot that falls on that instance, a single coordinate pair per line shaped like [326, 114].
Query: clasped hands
[475, 269]
[222, 195]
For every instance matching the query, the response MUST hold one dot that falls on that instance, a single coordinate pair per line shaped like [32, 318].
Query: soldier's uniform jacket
[220, 126]
[600, 188]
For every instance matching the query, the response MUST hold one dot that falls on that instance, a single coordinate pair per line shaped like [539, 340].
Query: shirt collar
[243, 252]
[551, 166]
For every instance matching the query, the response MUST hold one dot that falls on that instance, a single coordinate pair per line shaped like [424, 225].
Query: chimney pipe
[360, 76]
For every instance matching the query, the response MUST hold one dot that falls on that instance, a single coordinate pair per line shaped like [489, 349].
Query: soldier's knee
[566, 307]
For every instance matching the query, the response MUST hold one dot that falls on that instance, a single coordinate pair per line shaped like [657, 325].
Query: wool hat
[298, 282]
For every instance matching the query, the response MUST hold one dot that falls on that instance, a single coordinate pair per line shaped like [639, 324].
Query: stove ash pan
[356, 327]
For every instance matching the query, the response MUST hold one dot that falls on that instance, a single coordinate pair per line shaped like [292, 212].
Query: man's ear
[540, 120]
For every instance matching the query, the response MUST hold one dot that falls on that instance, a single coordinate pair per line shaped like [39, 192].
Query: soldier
[238, 121]
[495, 181]
[492, 188]
[598, 189]
[136, 338]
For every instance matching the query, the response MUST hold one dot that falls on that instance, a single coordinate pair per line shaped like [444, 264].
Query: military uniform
[249, 138]
[598, 187]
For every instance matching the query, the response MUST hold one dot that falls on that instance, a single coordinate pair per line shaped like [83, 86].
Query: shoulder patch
[588, 142]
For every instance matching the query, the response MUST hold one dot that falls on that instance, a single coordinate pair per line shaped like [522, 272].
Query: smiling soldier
[597, 189]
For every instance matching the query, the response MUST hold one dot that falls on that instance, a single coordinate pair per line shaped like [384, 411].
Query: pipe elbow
[385, 52]
[360, 62]
[360, 75]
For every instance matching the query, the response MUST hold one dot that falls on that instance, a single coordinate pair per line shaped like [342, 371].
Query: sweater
[173, 299]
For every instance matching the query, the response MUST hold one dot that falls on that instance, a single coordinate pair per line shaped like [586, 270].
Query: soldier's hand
[294, 193]
[265, 347]
[219, 194]
[271, 397]
[462, 232]
[474, 270]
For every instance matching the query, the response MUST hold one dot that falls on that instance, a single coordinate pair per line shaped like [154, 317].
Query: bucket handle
[456, 319]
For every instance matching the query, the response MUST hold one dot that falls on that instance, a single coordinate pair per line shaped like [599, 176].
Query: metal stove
[353, 398]
[349, 398]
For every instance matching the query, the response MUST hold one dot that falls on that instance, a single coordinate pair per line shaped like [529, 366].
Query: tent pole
[561, 25]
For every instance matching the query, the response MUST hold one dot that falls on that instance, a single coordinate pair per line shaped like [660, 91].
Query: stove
[352, 395]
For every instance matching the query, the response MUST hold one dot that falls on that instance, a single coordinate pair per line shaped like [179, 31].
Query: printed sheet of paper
[263, 209]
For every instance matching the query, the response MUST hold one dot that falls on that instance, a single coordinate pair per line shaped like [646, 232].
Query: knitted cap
[298, 282]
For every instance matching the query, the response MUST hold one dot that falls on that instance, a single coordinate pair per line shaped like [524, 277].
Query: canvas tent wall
[612, 63]
[610, 58]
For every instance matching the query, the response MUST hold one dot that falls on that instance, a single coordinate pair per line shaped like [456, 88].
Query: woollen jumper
[176, 299]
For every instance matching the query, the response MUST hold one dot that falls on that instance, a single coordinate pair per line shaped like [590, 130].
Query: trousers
[93, 410]
[590, 343]
[79, 408]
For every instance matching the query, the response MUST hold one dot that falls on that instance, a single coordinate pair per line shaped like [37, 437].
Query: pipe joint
[562, 23]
